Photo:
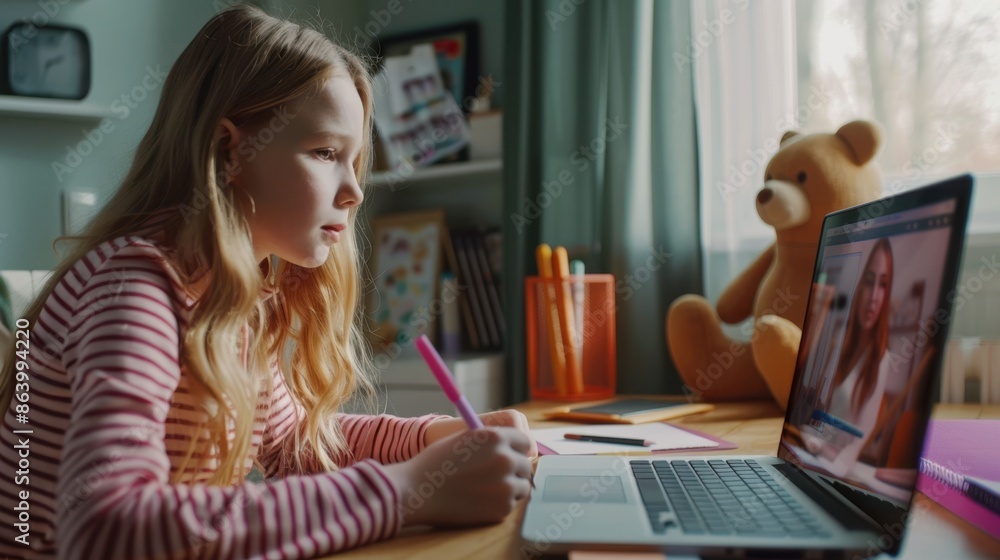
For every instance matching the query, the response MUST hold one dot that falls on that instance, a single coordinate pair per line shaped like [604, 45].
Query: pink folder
[953, 450]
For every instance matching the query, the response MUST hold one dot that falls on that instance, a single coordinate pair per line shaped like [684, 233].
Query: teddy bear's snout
[782, 205]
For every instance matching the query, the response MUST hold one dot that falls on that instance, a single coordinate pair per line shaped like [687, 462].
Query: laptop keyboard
[719, 497]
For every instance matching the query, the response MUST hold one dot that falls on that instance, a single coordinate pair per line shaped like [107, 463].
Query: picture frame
[406, 267]
[457, 50]
[416, 117]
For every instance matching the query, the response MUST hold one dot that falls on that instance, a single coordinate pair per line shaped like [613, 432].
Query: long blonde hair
[241, 65]
[877, 341]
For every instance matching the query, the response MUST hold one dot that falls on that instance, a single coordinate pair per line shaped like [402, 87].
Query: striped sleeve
[384, 438]
[113, 491]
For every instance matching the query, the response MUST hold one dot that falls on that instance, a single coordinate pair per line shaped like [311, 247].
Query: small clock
[45, 61]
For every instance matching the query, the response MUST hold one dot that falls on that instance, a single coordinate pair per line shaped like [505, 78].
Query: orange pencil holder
[571, 337]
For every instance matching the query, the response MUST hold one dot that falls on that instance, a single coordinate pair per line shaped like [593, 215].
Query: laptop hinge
[849, 518]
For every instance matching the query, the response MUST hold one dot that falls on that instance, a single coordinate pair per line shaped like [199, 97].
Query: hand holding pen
[499, 418]
[465, 478]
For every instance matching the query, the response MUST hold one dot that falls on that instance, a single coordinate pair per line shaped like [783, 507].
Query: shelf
[51, 108]
[435, 172]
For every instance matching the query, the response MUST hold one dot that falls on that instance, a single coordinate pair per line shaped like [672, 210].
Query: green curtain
[600, 156]
[6, 313]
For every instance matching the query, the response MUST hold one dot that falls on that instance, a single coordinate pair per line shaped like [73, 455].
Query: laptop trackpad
[594, 489]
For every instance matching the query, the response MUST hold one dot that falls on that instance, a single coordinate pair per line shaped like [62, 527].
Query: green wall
[129, 37]
[126, 37]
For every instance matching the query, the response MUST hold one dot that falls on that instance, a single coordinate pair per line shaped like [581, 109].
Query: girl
[151, 385]
[858, 379]
[860, 375]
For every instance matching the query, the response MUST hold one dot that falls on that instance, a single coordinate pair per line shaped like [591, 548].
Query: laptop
[843, 479]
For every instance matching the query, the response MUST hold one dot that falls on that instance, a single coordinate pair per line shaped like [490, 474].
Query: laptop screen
[873, 336]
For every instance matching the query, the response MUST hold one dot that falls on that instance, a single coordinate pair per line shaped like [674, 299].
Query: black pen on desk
[609, 439]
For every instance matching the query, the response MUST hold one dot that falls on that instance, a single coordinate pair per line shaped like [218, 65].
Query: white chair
[23, 286]
[5, 339]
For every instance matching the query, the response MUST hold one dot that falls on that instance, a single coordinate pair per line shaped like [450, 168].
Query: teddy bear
[808, 177]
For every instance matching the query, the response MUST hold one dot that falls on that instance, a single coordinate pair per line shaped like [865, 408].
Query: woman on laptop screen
[838, 430]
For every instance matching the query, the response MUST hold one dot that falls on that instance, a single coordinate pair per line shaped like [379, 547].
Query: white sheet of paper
[667, 437]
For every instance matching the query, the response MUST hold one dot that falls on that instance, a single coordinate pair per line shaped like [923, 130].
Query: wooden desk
[755, 427]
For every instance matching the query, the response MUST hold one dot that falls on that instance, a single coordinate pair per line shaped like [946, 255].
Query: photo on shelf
[406, 270]
[426, 82]
[418, 120]
[456, 49]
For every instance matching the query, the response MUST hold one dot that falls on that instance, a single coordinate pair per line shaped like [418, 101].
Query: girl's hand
[471, 477]
[445, 427]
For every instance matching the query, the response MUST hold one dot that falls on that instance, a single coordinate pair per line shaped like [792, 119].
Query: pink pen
[447, 382]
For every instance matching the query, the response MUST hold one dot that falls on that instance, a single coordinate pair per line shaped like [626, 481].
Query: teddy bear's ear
[864, 138]
[787, 137]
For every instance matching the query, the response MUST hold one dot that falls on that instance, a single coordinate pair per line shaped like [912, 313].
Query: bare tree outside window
[927, 70]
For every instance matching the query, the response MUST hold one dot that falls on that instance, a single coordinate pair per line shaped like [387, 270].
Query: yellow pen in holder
[567, 321]
[595, 355]
[543, 255]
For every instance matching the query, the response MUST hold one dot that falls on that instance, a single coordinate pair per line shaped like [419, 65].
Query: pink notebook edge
[942, 450]
[723, 444]
[955, 501]
[946, 448]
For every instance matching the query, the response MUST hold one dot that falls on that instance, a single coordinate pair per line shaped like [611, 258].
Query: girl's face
[298, 165]
[873, 290]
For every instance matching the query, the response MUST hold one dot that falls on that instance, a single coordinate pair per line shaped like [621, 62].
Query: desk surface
[755, 427]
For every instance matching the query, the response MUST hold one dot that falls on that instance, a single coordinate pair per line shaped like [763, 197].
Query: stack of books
[474, 258]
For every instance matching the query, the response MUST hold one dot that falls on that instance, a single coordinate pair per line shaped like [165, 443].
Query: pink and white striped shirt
[110, 417]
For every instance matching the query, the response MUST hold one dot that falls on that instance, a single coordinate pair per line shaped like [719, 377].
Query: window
[927, 70]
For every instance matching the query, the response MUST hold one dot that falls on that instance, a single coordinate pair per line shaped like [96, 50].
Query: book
[493, 238]
[468, 286]
[451, 331]
[478, 287]
[489, 281]
[986, 492]
[954, 452]
[472, 334]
